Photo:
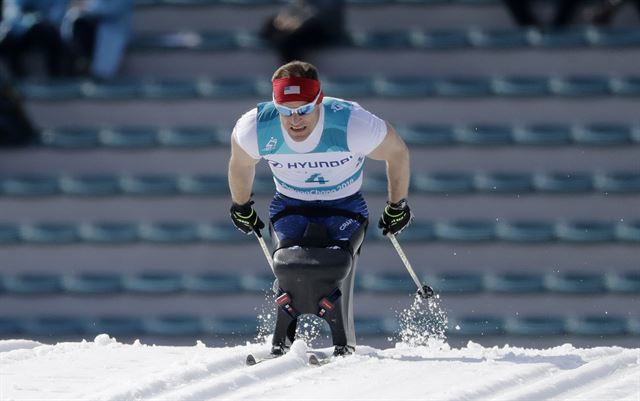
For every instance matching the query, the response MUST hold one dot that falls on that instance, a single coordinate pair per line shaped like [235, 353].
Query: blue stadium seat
[542, 135]
[525, 231]
[483, 135]
[10, 326]
[617, 182]
[256, 282]
[31, 185]
[498, 39]
[178, 325]
[628, 231]
[90, 185]
[129, 137]
[520, 86]
[601, 134]
[348, 87]
[108, 233]
[420, 231]
[9, 233]
[249, 41]
[463, 87]
[535, 326]
[264, 184]
[628, 86]
[49, 233]
[556, 182]
[597, 326]
[113, 90]
[404, 87]
[580, 86]
[203, 185]
[633, 326]
[169, 89]
[153, 283]
[502, 182]
[170, 232]
[561, 38]
[456, 282]
[385, 283]
[374, 183]
[584, 231]
[614, 37]
[212, 283]
[224, 232]
[370, 326]
[476, 326]
[190, 137]
[628, 282]
[514, 282]
[46, 90]
[230, 326]
[229, 88]
[465, 230]
[72, 138]
[574, 283]
[32, 284]
[115, 326]
[149, 185]
[92, 283]
[635, 134]
[443, 183]
[429, 135]
[379, 40]
[166, 41]
[53, 326]
[440, 39]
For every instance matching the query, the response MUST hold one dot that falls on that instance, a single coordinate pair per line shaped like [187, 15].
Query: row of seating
[156, 283]
[423, 231]
[427, 183]
[195, 3]
[596, 134]
[472, 38]
[388, 87]
[187, 325]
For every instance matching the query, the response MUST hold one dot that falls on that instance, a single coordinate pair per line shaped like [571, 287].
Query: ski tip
[251, 360]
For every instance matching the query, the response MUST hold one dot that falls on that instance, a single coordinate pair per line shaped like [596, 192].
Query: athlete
[315, 146]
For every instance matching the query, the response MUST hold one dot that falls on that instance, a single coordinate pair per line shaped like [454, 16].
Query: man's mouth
[298, 129]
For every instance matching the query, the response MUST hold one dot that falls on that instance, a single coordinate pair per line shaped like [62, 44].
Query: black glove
[395, 217]
[245, 218]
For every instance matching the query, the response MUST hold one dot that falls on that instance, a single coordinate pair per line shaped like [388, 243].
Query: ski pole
[424, 290]
[265, 250]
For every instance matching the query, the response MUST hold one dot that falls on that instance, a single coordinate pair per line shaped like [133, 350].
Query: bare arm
[395, 153]
[242, 171]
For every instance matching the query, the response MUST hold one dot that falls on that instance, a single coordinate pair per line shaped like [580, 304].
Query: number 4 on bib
[317, 177]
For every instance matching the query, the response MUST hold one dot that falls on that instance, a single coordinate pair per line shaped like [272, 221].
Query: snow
[107, 370]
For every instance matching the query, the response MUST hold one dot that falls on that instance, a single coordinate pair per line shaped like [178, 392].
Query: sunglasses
[301, 111]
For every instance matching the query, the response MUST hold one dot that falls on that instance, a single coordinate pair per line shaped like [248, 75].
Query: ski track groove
[570, 380]
[629, 380]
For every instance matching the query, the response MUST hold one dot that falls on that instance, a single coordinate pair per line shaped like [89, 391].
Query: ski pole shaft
[265, 250]
[424, 290]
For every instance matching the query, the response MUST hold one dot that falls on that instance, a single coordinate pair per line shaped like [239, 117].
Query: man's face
[300, 127]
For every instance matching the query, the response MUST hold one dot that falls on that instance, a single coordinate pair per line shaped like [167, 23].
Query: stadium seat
[614, 37]
[498, 39]
[483, 135]
[264, 184]
[557, 182]
[596, 326]
[579, 86]
[440, 39]
[520, 86]
[463, 87]
[379, 40]
[633, 326]
[502, 182]
[225, 232]
[625, 182]
[534, 326]
[404, 87]
[92, 284]
[9, 233]
[374, 183]
[173, 40]
[32, 284]
[601, 134]
[169, 89]
[153, 283]
[72, 138]
[385, 283]
[623, 282]
[257, 282]
[228, 88]
[455, 282]
[45, 90]
[442, 183]
[465, 230]
[476, 326]
[420, 231]
[49, 233]
[370, 326]
[525, 231]
[89, 185]
[31, 185]
[52, 326]
[116, 326]
[627, 86]
[348, 87]
[559, 38]
[514, 282]
[113, 90]
[542, 135]
[427, 135]
[203, 185]
[584, 231]
[628, 231]
[172, 232]
[574, 283]
[129, 137]
[230, 326]
[108, 233]
[190, 137]
[149, 185]
[212, 283]
[179, 325]
[10, 326]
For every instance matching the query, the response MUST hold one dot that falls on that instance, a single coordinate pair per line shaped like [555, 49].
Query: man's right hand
[245, 218]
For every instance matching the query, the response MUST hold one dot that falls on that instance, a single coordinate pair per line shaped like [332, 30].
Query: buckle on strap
[328, 303]
[284, 301]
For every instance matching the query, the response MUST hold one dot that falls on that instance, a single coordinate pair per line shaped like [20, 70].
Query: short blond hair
[296, 68]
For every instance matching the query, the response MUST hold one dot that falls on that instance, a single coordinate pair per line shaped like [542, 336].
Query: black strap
[318, 211]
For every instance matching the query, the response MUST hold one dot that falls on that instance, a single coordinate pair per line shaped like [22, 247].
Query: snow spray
[424, 323]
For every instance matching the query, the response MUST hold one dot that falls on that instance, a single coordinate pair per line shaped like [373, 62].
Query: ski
[319, 360]
[254, 360]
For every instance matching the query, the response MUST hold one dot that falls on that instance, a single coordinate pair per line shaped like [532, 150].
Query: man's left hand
[395, 217]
